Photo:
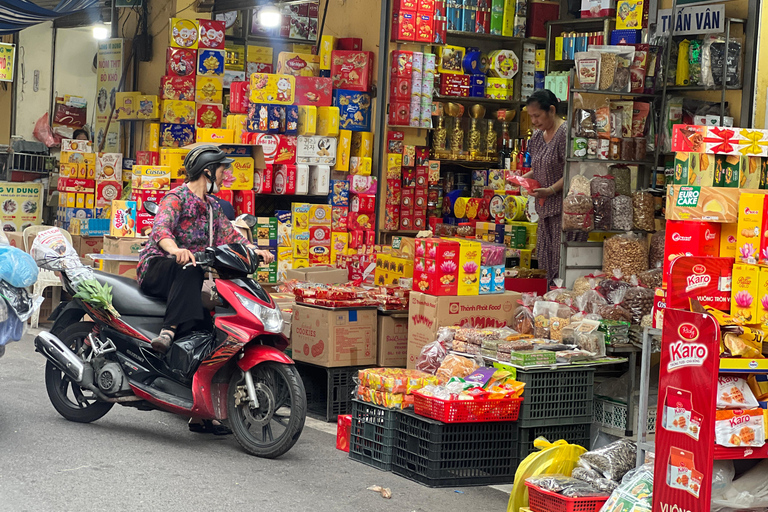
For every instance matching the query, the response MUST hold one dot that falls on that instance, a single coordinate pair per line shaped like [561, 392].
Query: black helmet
[202, 158]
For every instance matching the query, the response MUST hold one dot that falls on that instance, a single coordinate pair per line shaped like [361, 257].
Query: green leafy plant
[96, 294]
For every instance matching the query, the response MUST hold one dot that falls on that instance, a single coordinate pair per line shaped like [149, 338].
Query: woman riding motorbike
[189, 220]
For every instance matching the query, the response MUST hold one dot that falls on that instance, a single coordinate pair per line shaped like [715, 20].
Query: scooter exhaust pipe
[62, 356]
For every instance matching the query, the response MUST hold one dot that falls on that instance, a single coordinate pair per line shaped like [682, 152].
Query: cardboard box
[392, 342]
[90, 245]
[334, 338]
[123, 246]
[427, 313]
[751, 212]
[318, 274]
[689, 239]
[121, 268]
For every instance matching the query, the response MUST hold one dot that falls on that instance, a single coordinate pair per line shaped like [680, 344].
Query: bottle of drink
[527, 158]
[504, 155]
[515, 157]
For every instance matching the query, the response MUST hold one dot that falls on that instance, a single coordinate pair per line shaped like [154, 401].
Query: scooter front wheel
[272, 423]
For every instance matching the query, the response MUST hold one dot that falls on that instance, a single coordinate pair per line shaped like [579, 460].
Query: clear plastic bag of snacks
[523, 321]
[578, 213]
[627, 253]
[622, 213]
[638, 300]
[579, 185]
[492, 254]
[604, 186]
[541, 313]
[589, 301]
[656, 249]
[622, 179]
[651, 278]
[643, 211]
[559, 319]
[582, 283]
[603, 208]
[613, 283]
[456, 366]
[432, 354]
[613, 461]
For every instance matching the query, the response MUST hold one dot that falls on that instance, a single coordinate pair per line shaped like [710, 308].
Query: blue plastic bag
[17, 268]
[11, 330]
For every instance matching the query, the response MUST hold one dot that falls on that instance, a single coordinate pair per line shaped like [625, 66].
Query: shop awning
[17, 15]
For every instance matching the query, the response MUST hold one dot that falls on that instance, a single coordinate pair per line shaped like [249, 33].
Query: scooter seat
[128, 299]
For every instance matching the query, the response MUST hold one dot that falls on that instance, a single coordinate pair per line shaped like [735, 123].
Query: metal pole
[15, 85]
[322, 26]
[381, 108]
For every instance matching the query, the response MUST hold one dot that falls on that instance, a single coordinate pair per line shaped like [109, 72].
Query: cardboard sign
[708, 19]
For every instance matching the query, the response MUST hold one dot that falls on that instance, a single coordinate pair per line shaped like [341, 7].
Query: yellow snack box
[469, 267]
[209, 89]
[243, 169]
[319, 214]
[744, 292]
[328, 121]
[300, 244]
[127, 105]
[298, 64]
[300, 216]
[343, 150]
[361, 165]
[362, 144]
[151, 177]
[394, 166]
[82, 171]
[300, 262]
[268, 88]
[327, 45]
[750, 172]
[149, 108]
[728, 242]
[284, 261]
[123, 219]
[216, 135]
[174, 159]
[307, 120]
[177, 112]
[67, 170]
[260, 54]
[751, 211]
[80, 201]
[706, 177]
[762, 298]
[76, 157]
[90, 200]
[339, 245]
[541, 60]
[151, 136]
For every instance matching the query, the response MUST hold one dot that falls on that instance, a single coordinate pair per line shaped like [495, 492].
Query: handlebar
[206, 258]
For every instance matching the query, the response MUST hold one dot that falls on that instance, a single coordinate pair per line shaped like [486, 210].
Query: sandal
[207, 427]
[163, 341]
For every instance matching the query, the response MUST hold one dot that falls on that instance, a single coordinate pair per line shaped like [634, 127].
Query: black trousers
[181, 288]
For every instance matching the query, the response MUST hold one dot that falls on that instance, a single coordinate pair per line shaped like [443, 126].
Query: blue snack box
[176, 135]
[339, 195]
[292, 120]
[354, 110]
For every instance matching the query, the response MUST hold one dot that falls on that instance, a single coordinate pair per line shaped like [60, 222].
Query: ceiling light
[100, 32]
[269, 16]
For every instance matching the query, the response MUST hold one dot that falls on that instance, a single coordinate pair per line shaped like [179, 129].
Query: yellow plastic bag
[559, 457]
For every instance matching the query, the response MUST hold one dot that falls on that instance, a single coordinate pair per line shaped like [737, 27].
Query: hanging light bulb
[100, 32]
[269, 16]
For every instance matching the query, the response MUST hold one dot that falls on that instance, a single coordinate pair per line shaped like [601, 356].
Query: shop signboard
[685, 448]
[700, 19]
[109, 69]
[21, 205]
[7, 60]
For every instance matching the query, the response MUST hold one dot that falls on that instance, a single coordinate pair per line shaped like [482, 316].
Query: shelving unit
[644, 174]
[605, 25]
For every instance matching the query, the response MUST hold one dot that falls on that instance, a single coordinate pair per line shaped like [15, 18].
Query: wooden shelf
[470, 164]
[610, 162]
[460, 34]
[488, 101]
[614, 93]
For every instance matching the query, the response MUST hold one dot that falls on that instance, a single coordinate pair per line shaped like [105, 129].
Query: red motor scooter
[238, 374]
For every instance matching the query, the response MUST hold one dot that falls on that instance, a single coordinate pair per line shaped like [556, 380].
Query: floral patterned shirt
[183, 217]
[547, 164]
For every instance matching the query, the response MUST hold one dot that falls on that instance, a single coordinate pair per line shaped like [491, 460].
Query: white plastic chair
[45, 278]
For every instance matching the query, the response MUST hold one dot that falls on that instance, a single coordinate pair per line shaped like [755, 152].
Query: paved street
[137, 461]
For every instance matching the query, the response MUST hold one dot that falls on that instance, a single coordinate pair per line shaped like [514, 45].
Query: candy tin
[315, 150]
[210, 62]
[209, 89]
[312, 90]
[177, 88]
[211, 34]
[451, 59]
[176, 135]
[177, 112]
[267, 88]
[503, 64]
[184, 33]
[352, 70]
[181, 61]
[354, 110]
[298, 64]
[209, 115]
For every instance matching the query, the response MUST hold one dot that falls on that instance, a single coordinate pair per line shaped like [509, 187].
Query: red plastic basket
[540, 500]
[467, 411]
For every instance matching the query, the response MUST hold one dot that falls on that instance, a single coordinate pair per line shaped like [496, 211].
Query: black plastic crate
[439, 454]
[329, 390]
[564, 396]
[372, 437]
[574, 434]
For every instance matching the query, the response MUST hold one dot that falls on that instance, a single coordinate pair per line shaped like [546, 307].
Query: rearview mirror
[246, 219]
[151, 207]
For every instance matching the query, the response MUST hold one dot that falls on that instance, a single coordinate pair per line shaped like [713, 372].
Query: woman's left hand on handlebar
[266, 256]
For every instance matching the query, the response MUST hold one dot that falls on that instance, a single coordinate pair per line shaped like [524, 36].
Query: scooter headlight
[270, 318]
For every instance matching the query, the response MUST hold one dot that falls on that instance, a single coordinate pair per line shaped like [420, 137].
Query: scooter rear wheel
[72, 402]
[273, 427]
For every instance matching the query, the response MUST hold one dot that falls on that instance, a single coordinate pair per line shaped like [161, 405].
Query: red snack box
[422, 156]
[420, 200]
[400, 114]
[440, 251]
[108, 191]
[447, 79]
[432, 285]
[181, 62]
[400, 89]
[278, 149]
[76, 185]
[394, 192]
[440, 29]
[405, 5]
[320, 236]
[454, 90]
[406, 220]
[238, 97]
[407, 197]
[420, 221]
[349, 43]
[352, 70]
[395, 141]
[211, 34]
[696, 278]
[425, 6]
[226, 195]
[262, 180]
[363, 203]
[403, 26]
[685, 238]
[140, 196]
[312, 90]
[284, 181]
[245, 202]
[439, 8]
[344, 421]
[361, 221]
[339, 216]
[421, 176]
[209, 115]
[402, 65]
[147, 158]
[424, 29]
[392, 217]
[177, 88]
[312, 10]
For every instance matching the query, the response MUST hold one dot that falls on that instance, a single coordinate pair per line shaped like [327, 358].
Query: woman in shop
[547, 149]
[80, 134]
[181, 229]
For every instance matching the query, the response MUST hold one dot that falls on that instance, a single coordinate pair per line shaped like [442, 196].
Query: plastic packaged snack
[613, 460]
[634, 493]
[603, 208]
[522, 322]
[615, 64]
[735, 428]
[622, 213]
[622, 179]
[579, 185]
[552, 483]
[584, 123]
[656, 249]
[651, 278]
[542, 311]
[643, 211]
[603, 186]
[456, 366]
[559, 319]
[587, 69]
[613, 283]
[734, 393]
[638, 300]
[627, 253]
[594, 479]
[577, 213]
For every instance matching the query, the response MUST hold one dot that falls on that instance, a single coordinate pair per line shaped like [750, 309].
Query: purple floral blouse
[547, 164]
[183, 217]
